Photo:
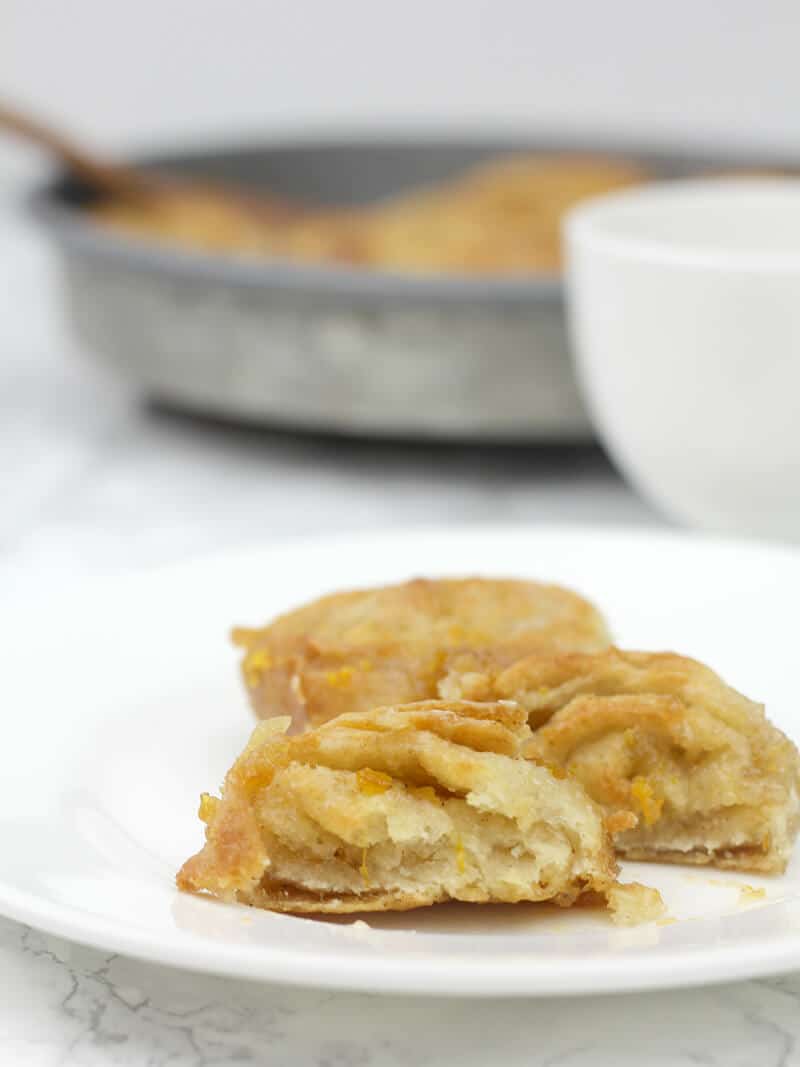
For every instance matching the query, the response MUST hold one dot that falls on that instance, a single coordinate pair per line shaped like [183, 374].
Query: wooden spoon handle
[109, 178]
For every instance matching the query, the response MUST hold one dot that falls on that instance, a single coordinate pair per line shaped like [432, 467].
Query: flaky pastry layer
[399, 808]
[709, 779]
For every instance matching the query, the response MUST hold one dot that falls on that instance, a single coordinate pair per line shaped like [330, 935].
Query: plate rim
[661, 530]
[552, 976]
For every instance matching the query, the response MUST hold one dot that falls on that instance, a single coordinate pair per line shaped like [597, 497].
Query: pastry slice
[359, 650]
[399, 808]
[660, 737]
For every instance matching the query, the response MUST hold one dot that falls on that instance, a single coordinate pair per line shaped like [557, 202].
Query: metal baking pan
[328, 347]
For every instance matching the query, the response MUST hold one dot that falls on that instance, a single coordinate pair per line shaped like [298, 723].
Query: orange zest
[373, 783]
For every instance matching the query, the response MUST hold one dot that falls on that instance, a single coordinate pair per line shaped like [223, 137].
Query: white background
[91, 482]
[689, 71]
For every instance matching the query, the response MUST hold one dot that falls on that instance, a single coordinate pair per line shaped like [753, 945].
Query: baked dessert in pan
[499, 218]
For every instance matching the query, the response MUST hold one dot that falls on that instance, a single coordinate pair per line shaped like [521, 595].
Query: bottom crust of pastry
[739, 858]
[297, 901]
[294, 900]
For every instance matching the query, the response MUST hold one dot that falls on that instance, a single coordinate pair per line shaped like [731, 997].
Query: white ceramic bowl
[684, 304]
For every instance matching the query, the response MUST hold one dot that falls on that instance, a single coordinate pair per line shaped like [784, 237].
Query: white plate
[122, 703]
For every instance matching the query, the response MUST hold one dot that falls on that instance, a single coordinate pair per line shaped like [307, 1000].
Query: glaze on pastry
[358, 650]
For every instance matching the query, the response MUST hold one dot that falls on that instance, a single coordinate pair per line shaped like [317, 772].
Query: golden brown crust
[398, 808]
[358, 650]
[708, 777]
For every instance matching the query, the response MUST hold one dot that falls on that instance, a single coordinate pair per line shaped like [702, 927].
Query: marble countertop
[68, 1005]
[94, 482]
